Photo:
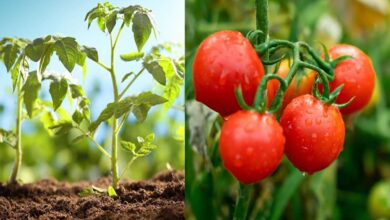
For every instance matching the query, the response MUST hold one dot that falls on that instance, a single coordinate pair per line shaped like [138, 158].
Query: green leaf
[172, 90]
[111, 192]
[62, 127]
[142, 27]
[285, 192]
[24, 68]
[76, 91]
[8, 137]
[157, 71]
[150, 98]
[106, 114]
[149, 138]
[15, 72]
[87, 192]
[10, 54]
[35, 49]
[132, 56]
[128, 146]
[77, 117]
[30, 94]
[101, 23]
[47, 120]
[141, 112]
[58, 90]
[111, 21]
[91, 53]
[124, 106]
[79, 138]
[67, 51]
[126, 76]
[45, 59]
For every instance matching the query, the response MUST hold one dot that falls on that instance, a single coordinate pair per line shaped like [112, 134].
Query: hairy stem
[18, 147]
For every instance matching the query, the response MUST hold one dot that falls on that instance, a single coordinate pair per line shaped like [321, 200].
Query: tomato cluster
[311, 133]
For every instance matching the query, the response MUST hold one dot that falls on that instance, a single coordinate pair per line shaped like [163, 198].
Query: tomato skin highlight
[314, 133]
[251, 145]
[301, 84]
[358, 76]
[223, 61]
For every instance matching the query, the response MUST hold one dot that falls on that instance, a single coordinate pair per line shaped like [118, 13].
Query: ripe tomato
[301, 84]
[357, 74]
[224, 61]
[251, 145]
[314, 133]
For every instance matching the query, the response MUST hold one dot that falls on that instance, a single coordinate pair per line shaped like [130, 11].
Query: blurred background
[46, 156]
[357, 186]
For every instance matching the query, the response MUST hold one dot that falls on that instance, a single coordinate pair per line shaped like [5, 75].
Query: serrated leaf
[111, 21]
[111, 192]
[10, 54]
[67, 51]
[132, 56]
[126, 76]
[58, 90]
[129, 146]
[45, 59]
[157, 71]
[30, 94]
[124, 106]
[91, 53]
[24, 68]
[142, 27]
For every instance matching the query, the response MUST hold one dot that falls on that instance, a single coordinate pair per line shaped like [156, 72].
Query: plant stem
[96, 143]
[262, 19]
[114, 138]
[242, 202]
[130, 83]
[127, 166]
[18, 147]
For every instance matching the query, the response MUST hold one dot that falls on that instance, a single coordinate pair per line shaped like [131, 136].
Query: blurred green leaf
[30, 92]
[58, 90]
[142, 27]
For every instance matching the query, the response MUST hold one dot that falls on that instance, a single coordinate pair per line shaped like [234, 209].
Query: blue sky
[32, 19]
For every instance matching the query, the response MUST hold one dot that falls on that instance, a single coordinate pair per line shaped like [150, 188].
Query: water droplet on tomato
[304, 174]
[314, 135]
[318, 121]
[308, 121]
[309, 111]
[250, 127]
[250, 150]
[238, 161]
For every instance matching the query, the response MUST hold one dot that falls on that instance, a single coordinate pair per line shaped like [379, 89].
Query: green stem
[18, 147]
[242, 202]
[100, 147]
[127, 166]
[262, 19]
[114, 138]
[131, 83]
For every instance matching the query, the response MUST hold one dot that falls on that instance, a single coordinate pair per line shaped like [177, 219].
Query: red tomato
[251, 145]
[301, 84]
[224, 61]
[358, 76]
[314, 133]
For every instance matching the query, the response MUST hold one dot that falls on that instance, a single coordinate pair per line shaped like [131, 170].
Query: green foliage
[30, 92]
[8, 137]
[132, 56]
[58, 90]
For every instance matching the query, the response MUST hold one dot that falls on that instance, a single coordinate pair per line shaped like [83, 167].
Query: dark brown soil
[159, 198]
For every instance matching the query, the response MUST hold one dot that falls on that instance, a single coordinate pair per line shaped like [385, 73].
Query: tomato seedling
[167, 71]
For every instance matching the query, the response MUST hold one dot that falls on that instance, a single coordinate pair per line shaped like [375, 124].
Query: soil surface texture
[161, 197]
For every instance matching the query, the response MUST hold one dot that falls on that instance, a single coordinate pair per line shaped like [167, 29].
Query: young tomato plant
[166, 71]
[311, 130]
[17, 55]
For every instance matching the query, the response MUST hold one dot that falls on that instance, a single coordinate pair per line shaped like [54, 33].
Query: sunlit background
[46, 156]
